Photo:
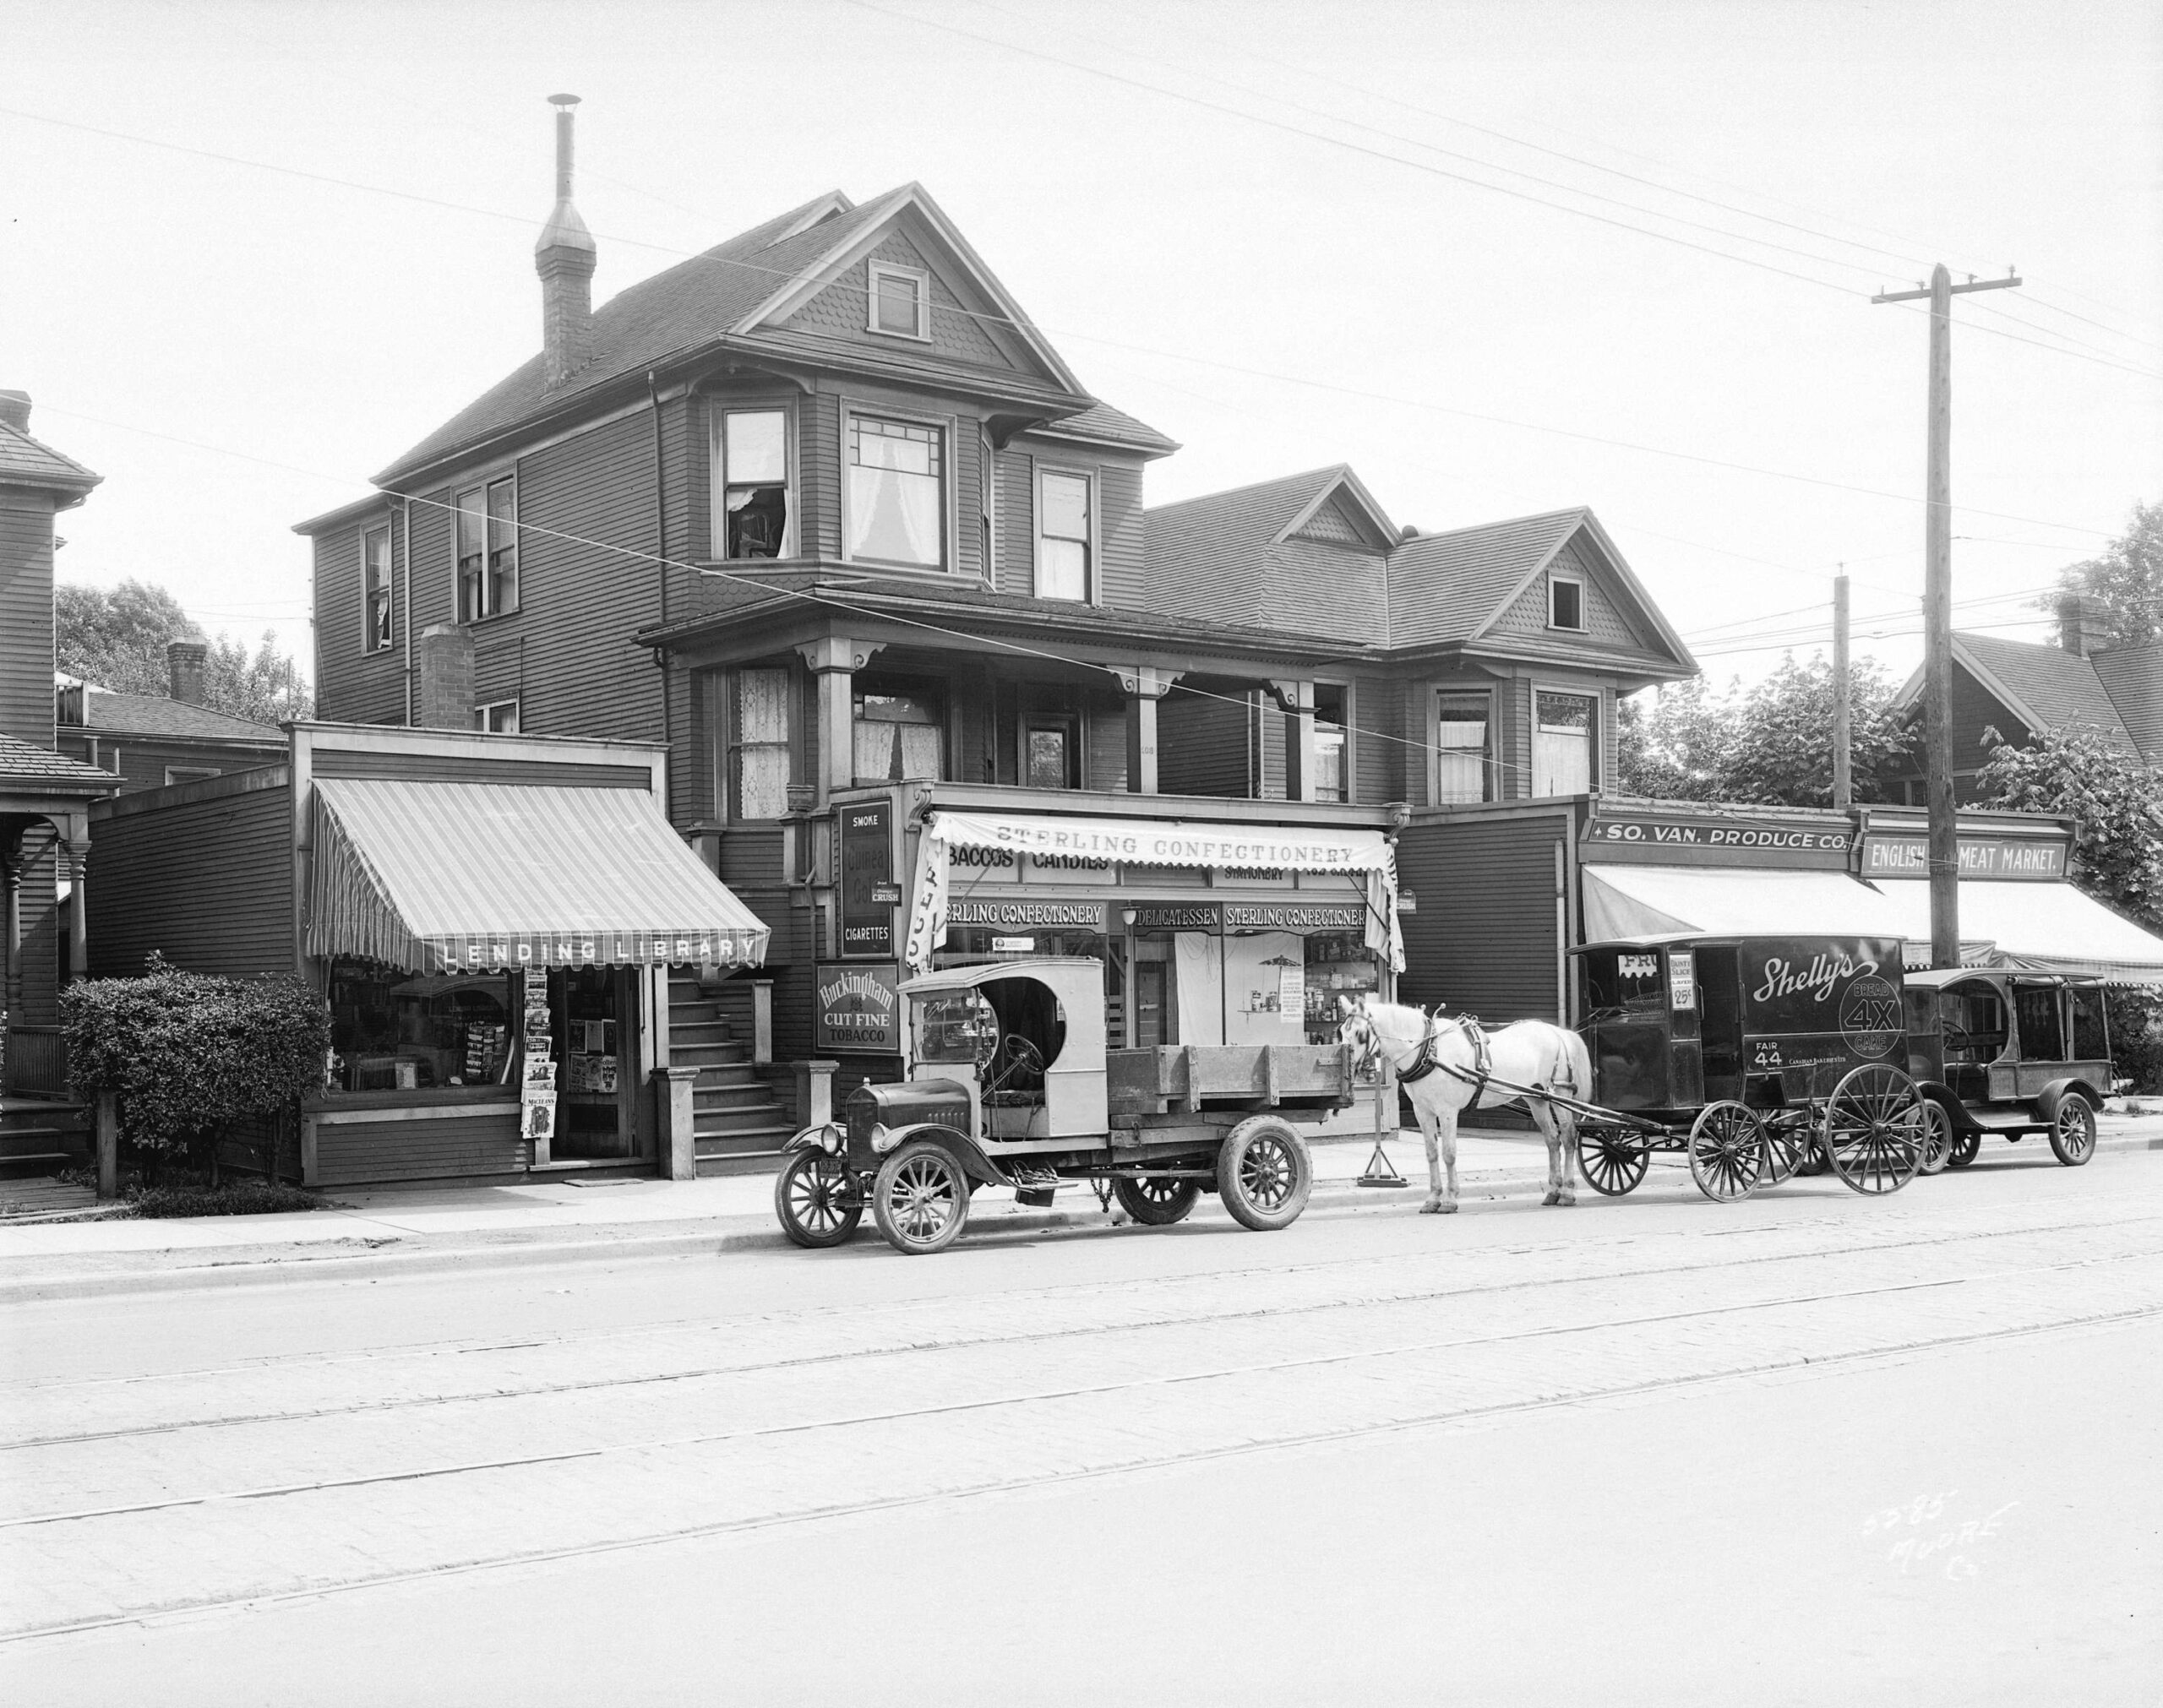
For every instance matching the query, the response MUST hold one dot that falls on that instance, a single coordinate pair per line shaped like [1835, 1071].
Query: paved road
[1671, 1446]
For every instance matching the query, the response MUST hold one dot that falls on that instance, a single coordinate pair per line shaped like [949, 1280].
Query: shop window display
[394, 1031]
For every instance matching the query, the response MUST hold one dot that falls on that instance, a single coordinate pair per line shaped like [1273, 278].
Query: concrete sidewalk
[410, 1227]
[416, 1229]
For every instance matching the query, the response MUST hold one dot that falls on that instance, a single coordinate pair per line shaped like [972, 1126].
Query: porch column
[834, 661]
[78, 870]
[1144, 685]
[1298, 699]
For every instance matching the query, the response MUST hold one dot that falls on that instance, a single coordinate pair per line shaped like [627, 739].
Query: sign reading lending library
[589, 948]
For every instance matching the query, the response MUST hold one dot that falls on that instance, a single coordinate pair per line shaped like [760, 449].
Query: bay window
[1463, 748]
[751, 474]
[1562, 743]
[897, 492]
[1063, 536]
[758, 746]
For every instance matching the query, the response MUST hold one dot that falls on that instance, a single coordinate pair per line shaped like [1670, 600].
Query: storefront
[492, 919]
[1208, 932]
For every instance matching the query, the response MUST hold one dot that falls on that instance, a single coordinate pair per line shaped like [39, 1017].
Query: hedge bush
[187, 1052]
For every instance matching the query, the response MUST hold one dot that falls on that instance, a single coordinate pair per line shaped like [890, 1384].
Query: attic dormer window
[1566, 602]
[901, 301]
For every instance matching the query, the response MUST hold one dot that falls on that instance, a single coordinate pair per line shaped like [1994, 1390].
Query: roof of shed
[39, 771]
[154, 715]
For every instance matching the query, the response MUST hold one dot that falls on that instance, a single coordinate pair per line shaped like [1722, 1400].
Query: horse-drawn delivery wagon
[1760, 1056]
[1012, 1086]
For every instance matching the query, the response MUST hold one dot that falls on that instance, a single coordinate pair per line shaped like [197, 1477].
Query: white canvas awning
[1648, 903]
[2035, 927]
[1364, 858]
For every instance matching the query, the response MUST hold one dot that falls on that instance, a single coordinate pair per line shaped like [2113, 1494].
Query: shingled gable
[743, 294]
[2044, 687]
[1456, 588]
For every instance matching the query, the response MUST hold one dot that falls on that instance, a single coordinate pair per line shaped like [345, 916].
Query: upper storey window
[751, 471]
[375, 588]
[897, 492]
[1566, 602]
[901, 301]
[1063, 536]
[487, 550]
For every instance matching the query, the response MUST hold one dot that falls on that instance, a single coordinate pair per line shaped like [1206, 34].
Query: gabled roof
[1102, 424]
[741, 292]
[28, 462]
[153, 714]
[2047, 687]
[2133, 677]
[1451, 586]
[39, 771]
[1237, 558]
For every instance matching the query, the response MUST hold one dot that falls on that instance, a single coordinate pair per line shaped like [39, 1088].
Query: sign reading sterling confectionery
[1086, 915]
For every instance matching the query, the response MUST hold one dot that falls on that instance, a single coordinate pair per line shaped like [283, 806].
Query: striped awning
[431, 876]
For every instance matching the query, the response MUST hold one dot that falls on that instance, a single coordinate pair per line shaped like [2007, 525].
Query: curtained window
[1561, 744]
[896, 505]
[1463, 749]
[758, 759]
[899, 737]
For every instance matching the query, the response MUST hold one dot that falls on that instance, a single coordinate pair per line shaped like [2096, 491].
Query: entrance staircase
[740, 1127]
[38, 1135]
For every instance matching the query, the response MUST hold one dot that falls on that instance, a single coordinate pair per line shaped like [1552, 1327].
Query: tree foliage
[2124, 582]
[1770, 744]
[187, 1052]
[118, 640]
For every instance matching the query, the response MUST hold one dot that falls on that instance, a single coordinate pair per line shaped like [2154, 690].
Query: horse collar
[1424, 1063]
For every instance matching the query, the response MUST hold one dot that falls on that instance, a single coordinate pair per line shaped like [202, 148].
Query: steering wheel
[1016, 1058]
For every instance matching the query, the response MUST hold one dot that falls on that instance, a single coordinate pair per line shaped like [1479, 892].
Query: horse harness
[1424, 1062]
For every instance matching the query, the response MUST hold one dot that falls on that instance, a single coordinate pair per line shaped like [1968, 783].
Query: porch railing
[36, 1062]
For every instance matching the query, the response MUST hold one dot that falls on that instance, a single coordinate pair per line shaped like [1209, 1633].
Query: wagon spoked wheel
[1938, 1147]
[921, 1198]
[2072, 1130]
[1155, 1202]
[1727, 1151]
[1788, 1147]
[1614, 1158]
[1873, 1133]
[816, 1199]
[1264, 1174]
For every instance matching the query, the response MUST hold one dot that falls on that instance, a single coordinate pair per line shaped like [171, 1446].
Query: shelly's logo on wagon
[1824, 974]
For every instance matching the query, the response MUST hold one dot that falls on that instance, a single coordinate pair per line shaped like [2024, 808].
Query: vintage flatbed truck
[1012, 1086]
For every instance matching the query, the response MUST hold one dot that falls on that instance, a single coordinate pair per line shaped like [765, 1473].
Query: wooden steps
[739, 1128]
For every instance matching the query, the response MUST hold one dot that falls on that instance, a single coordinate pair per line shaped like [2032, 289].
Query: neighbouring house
[152, 740]
[44, 794]
[2024, 689]
[823, 514]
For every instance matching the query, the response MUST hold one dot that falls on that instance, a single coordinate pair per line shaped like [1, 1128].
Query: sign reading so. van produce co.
[1708, 839]
[1997, 857]
[1819, 1002]
[867, 862]
[856, 1008]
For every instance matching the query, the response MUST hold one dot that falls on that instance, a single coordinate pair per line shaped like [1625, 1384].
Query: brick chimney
[15, 410]
[2081, 631]
[564, 258]
[444, 659]
[184, 670]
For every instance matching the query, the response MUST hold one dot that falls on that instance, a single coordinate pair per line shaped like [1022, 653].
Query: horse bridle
[1423, 1062]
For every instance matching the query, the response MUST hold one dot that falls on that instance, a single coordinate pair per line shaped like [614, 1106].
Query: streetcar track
[1019, 1337]
[1290, 1441]
[610, 1332]
[1042, 1396]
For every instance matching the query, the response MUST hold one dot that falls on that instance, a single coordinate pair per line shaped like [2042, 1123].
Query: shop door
[594, 1013]
[1149, 1003]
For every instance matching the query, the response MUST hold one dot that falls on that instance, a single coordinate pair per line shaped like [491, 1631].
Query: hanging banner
[866, 863]
[1362, 856]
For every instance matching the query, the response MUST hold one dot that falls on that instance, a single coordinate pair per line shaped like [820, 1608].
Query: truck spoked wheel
[2072, 1130]
[816, 1199]
[1156, 1203]
[920, 1198]
[1264, 1174]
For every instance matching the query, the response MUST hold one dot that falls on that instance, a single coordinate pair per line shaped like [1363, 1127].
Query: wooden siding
[353, 1153]
[1018, 521]
[205, 881]
[434, 577]
[819, 442]
[26, 619]
[751, 855]
[143, 760]
[1123, 570]
[478, 768]
[353, 684]
[1267, 723]
[41, 914]
[1379, 761]
[1202, 744]
[1484, 939]
[1104, 748]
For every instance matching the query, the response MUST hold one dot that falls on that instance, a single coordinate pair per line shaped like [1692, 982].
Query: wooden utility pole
[1937, 611]
[1843, 792]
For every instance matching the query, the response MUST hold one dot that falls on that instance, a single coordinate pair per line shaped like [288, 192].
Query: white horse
[1445, 1067]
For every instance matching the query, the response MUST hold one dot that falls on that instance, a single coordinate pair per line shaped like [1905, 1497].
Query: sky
[1499, 258]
